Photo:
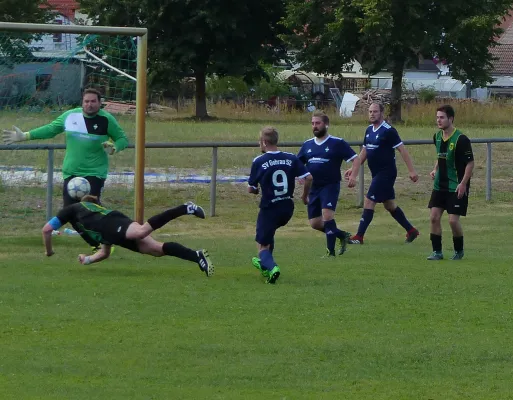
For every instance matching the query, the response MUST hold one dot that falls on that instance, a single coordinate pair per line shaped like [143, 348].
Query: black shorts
[113, 230]
[449, 201]
[96, 189]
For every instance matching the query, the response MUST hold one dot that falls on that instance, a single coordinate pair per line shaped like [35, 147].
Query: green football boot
[343, 243]
[274, 274]
[256, 263]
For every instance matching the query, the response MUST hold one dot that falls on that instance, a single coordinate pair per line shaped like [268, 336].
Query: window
[43, 82]
[57, 37]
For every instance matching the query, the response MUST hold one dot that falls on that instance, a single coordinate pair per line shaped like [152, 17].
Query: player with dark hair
[323, 156]
[275, 171]
[379, 145]
[451, 175]
[108, 227]
[91, 135]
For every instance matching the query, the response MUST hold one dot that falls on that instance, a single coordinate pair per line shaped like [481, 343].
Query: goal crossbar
[140, 116]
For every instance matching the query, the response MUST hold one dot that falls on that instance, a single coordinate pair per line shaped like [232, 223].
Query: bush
[427, 94]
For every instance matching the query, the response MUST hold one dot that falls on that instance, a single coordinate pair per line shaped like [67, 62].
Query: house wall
[40, 82]
[58, 41]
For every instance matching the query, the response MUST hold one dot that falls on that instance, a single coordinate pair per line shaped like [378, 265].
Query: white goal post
[140, 118]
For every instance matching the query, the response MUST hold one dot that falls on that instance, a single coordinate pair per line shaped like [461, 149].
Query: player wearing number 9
[323, 156]
[276, 172]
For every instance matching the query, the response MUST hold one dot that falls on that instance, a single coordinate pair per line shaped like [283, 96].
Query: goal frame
[141, 81]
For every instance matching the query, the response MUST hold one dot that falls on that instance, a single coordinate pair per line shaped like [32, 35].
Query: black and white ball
[78, 187]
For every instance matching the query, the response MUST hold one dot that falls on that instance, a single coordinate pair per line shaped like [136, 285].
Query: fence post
[213, 183]
[361, 185]
[49, 186]
[488, 171]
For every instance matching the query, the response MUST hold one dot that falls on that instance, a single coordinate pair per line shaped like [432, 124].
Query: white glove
[109, 147]
[16, 135]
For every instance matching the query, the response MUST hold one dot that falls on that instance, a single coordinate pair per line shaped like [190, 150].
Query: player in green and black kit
[106, 227]
[451, 175]
[91, 134]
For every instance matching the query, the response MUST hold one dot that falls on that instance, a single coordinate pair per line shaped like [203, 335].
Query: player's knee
[454, 221]
[434, 218]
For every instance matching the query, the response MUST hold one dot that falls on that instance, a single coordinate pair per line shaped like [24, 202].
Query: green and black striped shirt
[454, 153]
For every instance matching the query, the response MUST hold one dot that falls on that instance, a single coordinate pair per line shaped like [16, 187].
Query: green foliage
[14, 45]
[393, 34]
[199, 37]
[263, 88]
[427, 94]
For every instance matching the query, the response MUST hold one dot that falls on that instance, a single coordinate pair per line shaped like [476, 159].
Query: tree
[199, 37]
[394, 34]
[15, 45]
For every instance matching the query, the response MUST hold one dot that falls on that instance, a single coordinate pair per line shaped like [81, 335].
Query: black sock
[436, 241]
[458, 243]
[159, 220]
[177, 250]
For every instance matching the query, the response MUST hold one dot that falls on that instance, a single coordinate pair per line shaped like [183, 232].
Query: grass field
[380, 322]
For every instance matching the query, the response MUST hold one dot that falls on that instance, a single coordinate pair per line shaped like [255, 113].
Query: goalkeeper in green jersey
[91, 135]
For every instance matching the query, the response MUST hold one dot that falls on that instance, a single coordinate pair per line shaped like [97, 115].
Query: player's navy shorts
[322, 197]
[449, 202]
[113, 230]
[96, 189]
[270, 219]
[382, 188]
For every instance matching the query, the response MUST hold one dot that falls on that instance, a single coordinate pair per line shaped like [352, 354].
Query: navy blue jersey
[380, 145]
[276, 172]
[324, 160]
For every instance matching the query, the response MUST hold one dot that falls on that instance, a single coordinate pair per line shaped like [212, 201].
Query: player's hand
[50, 253]
[109, 147]
[461, 190]
[351, 183]
[413, 176]
[84, 260]
[14, 135]
[347, 174]
[432, 174]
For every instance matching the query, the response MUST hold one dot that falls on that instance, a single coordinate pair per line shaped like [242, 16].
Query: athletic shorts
[449, 201]
[270, 219]
[96, 189]
[323, 197]
[382, 188]
[113, 231]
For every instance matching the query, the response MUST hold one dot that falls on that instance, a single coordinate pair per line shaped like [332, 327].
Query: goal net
[43, 75]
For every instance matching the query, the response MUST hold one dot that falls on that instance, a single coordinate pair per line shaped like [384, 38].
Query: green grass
[380, 322]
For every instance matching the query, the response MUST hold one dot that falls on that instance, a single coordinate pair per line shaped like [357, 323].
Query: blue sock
[367, 216]
[401, 218]
[266, 260]
[331, 231]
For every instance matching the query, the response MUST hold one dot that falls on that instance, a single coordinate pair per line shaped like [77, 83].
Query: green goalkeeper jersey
[85, 135]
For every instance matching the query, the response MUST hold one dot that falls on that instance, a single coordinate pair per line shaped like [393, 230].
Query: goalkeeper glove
[16, 135]
[109, 147]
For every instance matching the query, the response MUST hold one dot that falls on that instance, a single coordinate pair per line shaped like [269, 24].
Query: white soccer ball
[78, 187]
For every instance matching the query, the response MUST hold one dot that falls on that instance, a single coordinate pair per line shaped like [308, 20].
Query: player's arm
[99, 256]
[54, 224]
[408, 161]
[118, 140]
[307, 186]
[466, 156]
[435, 168]
[45, 132]
[354, 171]
[253, 179]
[363, 157]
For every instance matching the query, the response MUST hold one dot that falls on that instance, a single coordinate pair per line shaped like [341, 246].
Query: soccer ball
[78, 187]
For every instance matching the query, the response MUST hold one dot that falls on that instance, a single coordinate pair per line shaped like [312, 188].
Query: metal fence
[50, 148]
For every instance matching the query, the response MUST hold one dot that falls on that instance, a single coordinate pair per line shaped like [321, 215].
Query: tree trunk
[397, 91]
[201, 100]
